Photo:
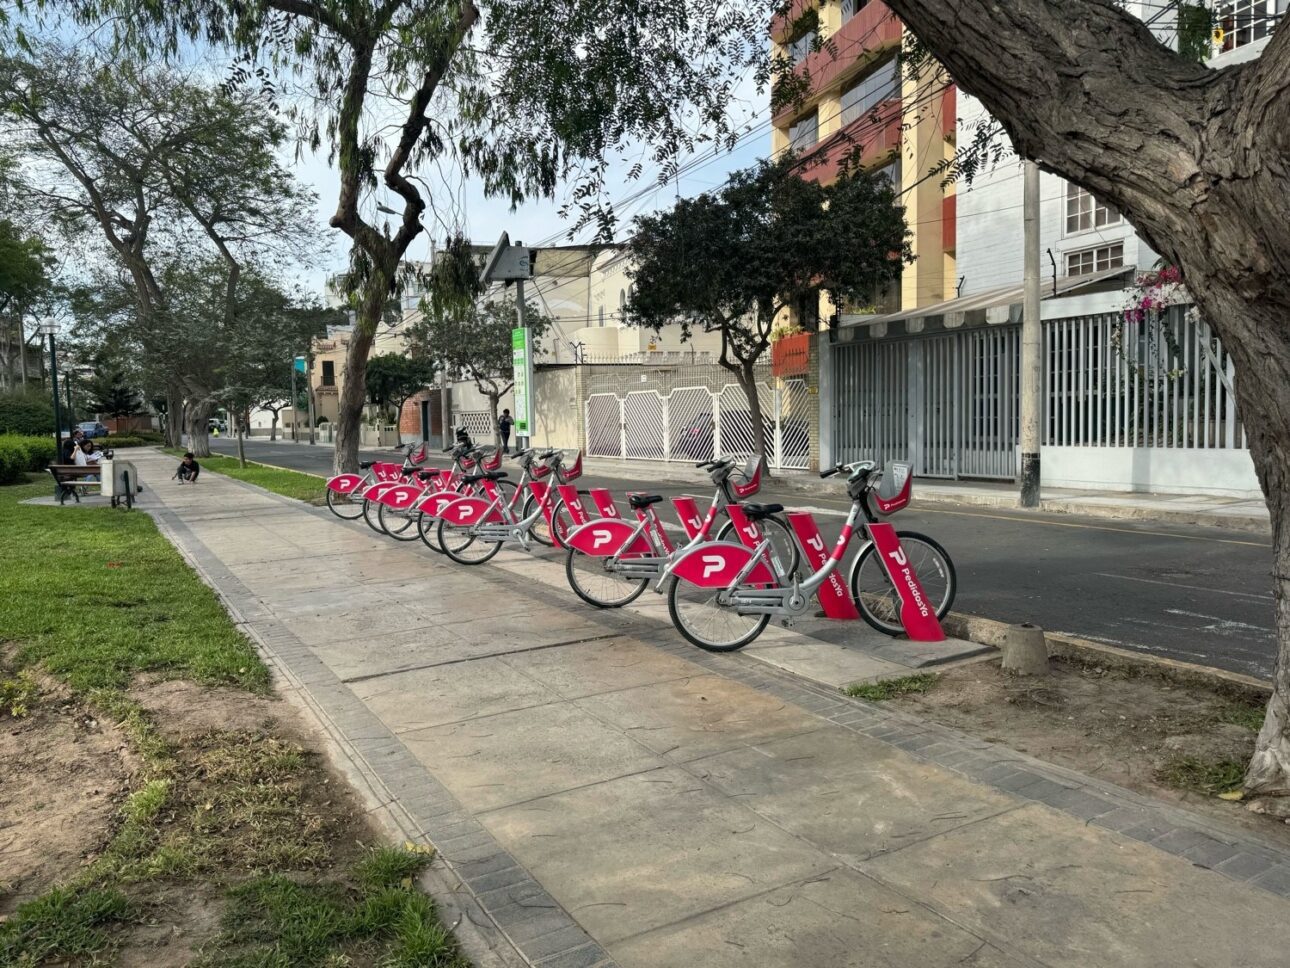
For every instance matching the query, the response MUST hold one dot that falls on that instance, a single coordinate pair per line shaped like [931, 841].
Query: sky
[540, 222]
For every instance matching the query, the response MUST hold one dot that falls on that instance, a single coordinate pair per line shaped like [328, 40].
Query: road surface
[1200, 595]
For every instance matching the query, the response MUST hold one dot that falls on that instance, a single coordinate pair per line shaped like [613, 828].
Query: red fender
[471, 510]
[345, 483]
[387, 473]
[715, 565]
[374, 492]
[603, 537]
[400, 496]
[434, 502]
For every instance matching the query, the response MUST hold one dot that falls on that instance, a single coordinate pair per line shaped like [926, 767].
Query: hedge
[126, 440]
[20, 454]
[25, 414]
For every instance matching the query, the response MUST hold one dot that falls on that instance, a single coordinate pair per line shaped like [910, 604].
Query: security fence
[694, 413]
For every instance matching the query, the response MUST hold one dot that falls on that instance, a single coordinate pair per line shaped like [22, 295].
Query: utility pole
[309, 389]
[1031, 343]
[48, 328]
[445, 409]
[295, 405]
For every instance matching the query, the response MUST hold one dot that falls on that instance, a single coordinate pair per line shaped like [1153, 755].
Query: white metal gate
[698, 423]
[948, 403]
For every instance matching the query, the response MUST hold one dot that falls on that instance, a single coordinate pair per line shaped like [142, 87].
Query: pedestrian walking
[504, 423]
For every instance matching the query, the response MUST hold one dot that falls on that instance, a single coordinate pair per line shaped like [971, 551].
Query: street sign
[507, 263]
[300, 364]
[522, 359]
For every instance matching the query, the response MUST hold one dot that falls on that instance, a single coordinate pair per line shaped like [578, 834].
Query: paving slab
[853, 796]
[837, 918]
[826, 663]
[652, 848]
[1076, 896]
[606, 665]
[496, 760]
[684, 719]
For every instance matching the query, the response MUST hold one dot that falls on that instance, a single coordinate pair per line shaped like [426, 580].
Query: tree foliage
[736, 261]
[110, 393]
[394, 377]
[25, 266]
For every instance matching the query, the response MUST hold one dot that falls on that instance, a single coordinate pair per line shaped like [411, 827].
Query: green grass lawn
[302, 487]
[250, 820]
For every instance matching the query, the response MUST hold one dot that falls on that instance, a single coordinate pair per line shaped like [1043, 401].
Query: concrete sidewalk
[603, 793]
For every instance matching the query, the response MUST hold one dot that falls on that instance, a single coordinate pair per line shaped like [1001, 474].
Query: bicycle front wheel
[705, 622]
[348, 506]
[877, 598]
[428, 529]
[461, 545]
[593, 582]
[370, 511]
[538, 531]
[783, 546]
[399, 524]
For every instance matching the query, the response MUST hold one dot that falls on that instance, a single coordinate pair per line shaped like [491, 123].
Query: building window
[801, 48]
[1245, 21]
[1095, 260]
[891, 172]
[1084, 212]
[852, 7]
[602, 316]
[805, 132]
[881, 84]
[329, 373]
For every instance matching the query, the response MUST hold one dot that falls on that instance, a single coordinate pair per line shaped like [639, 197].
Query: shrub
[149, 436]
[26, 412]
[129, 440]
[18, 455]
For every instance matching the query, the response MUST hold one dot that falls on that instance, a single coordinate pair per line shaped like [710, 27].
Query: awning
[998, 305]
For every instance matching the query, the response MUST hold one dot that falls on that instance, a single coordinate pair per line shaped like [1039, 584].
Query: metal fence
[478, 423]
[693, 423]
[950, 402]
[1162, 383]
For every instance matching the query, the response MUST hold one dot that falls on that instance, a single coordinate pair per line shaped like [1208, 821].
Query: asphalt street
[1200, 595]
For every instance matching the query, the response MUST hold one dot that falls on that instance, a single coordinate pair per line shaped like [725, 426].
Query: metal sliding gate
[949, 404]
[701, 423]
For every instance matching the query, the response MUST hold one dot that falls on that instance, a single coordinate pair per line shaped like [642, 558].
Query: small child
[188, 469]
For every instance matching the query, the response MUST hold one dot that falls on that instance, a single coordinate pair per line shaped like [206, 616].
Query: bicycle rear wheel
[704, 622]
[596, 585]
[399, 524]
[877, 598]
[461, 545]
[344, 505]
[370, 511]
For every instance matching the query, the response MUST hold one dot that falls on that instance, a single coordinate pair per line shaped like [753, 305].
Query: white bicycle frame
[513, 528]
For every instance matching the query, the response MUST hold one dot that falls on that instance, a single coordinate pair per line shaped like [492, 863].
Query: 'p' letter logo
[712, 564]
[601, 537]
[898, 556]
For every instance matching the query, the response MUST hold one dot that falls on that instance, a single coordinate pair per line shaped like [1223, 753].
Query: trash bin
[120, 479]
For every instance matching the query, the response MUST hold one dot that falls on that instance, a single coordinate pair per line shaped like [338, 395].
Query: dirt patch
[63, 774]
[1179, 743]
[240, 794]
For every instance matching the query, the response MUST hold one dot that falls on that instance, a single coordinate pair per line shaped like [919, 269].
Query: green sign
[300, 364]
[521, 356]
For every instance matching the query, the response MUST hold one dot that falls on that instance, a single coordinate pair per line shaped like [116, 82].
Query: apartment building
[860, 97]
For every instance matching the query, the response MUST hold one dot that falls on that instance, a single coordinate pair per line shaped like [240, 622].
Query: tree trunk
[353, 395]
[748, 381]
[174, 416]
[199, 415]
[241, 443]
[493, 400]
[273, 426]
[1196, 159]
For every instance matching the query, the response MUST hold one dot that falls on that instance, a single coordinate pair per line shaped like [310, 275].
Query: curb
[988, 631]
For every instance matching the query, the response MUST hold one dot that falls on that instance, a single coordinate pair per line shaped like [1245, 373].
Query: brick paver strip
[1240, 857]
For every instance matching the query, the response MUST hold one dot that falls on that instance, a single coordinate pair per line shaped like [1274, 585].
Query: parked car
[92, 428]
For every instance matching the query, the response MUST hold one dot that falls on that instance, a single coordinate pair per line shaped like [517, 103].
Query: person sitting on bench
[87, 456]
[188, 469]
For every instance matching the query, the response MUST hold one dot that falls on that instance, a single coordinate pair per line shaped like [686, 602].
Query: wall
[557, 411]
[1159, 470]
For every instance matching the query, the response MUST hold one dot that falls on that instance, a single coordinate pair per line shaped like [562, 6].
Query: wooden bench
[70, 479]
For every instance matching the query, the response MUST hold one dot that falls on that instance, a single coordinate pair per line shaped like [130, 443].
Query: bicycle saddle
[757, 512]
[365, 464]
[638, 501]
[486, 476]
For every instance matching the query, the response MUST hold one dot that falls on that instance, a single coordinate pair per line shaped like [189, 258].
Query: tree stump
[1025, 652]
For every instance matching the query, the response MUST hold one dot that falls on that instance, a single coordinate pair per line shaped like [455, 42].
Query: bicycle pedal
[788, 623]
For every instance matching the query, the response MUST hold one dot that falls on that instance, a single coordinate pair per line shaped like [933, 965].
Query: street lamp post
[49, 328]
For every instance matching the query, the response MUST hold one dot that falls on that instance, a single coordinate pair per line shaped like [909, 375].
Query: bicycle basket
[490, 462]
[894, 489]
[574, 470]
[748, 481]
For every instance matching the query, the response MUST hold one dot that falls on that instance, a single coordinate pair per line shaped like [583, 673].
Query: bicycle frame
[493, 519]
